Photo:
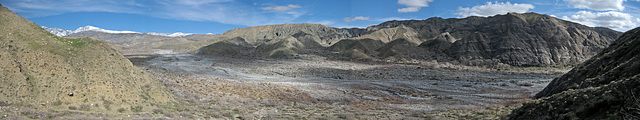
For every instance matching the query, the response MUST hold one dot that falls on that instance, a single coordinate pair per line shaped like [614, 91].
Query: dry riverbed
[316, 88]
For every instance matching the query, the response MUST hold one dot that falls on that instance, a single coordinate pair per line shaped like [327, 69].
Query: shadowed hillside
[603, 87]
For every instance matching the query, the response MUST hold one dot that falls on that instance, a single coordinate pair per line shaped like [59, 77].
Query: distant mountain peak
[176, 34]
[58, 31]
[65, 32]
[97, 29]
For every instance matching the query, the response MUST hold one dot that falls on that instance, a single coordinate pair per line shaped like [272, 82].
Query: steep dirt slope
[604, 87]
[41, 70]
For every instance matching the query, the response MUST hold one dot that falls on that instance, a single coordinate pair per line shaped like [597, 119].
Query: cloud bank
[611, 19]
[491, 9]
[348, 19]
[601, 5]
[413, 5]
[275, 8]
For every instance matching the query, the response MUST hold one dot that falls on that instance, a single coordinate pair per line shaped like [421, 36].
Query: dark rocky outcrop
[603, 87]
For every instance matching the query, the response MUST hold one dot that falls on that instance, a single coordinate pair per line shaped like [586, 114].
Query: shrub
[136, 109]
[2, 103]
[158, 111]
[168, 115]
[85, 107]
[121, 110]
[73, 108]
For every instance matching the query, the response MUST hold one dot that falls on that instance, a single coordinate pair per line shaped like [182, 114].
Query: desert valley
[507, 66]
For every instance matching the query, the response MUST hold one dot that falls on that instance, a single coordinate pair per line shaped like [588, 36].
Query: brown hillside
[41, 70]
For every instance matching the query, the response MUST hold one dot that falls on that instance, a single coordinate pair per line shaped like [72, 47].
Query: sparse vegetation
[158, 111]
[136, 108]
[121, 110]
[85, 107]
[73, 108]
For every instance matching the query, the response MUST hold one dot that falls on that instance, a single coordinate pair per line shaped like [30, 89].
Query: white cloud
[409, 9]
[611, 19]
[413, 5]
[221, 11]
[324, 22]
[490, 9]
[275, 8]
[348, 19]
[200, 2]
[392, 18]
[601, 5]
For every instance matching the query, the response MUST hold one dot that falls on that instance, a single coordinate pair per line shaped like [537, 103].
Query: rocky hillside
[603, 87]
[528, 39]
[278, 40]
[41, 70]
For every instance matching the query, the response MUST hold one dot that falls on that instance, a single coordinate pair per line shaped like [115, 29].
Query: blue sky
[218, 16]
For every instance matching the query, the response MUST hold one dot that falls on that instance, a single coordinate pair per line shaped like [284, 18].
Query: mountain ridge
[527, 39]
[131, 43]
[64, 32]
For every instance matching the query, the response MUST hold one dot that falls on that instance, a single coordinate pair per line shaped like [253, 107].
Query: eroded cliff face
[528, 39]
[603, 87]
[41, 70]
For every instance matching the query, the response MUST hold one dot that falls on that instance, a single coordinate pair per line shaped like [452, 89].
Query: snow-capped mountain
[65, 32]
[96, 29]
[58, 31]
[176, 34]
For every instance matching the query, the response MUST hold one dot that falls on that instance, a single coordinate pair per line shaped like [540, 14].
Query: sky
[218, 16]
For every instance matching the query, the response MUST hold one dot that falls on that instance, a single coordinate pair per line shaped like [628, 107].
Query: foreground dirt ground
[316, 88]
